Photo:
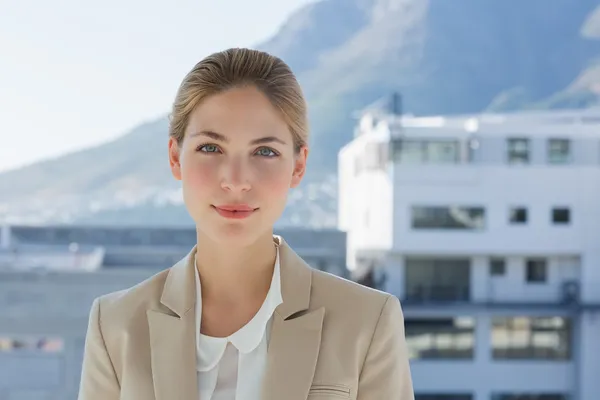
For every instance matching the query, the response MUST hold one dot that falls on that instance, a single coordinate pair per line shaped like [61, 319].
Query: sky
[74, 74]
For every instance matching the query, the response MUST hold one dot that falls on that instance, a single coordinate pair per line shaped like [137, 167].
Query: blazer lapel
[295, 336]
[173, 335]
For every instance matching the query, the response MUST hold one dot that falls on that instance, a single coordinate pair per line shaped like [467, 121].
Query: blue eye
[208, 148]
[266, 152]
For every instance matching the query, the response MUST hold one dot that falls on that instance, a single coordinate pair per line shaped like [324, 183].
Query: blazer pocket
[328, 391]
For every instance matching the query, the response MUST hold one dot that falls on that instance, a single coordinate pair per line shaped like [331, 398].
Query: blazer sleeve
[386, 371]
[98, 378]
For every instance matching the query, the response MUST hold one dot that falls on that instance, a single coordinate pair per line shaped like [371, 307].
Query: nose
[235, 176]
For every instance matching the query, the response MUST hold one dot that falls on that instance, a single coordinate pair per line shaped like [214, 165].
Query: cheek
[276, 179]
[198, 175]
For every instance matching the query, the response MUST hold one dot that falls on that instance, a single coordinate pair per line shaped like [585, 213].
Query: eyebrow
[222, 138]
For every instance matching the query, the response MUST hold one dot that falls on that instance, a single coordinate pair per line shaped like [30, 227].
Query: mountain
[444, 57]
[128, 181]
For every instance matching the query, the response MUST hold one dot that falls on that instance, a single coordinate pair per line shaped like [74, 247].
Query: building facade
[49, 277]
[487, 227]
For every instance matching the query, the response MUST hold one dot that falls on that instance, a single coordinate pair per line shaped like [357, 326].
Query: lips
[235, 211]
[236, 207]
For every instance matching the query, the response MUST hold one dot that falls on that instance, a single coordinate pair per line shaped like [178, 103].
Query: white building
[487, 227]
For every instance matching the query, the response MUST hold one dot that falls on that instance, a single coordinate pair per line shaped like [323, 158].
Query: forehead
[238, 111]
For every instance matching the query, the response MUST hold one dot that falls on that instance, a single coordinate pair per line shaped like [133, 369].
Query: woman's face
[236, 163]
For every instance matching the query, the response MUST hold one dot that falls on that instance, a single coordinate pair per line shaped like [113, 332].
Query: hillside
[444, 57]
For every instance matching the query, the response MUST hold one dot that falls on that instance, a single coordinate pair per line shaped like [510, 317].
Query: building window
[440, 339]
[497, 267]
[536, 270]
[410, 151]
[31, 344]
[529, 396]
[559, 151]
[561, 216]
[442, 152]
[455, 217]
[437, 279]
[518, 151]
[473, 149]
[448, 396]
[525, 338]
[518, 215]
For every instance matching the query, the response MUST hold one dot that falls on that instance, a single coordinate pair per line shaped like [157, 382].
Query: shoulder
[358, 321]
[345, 299]
[124, 306]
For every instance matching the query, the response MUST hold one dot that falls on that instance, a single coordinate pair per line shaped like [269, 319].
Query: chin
[235, 234]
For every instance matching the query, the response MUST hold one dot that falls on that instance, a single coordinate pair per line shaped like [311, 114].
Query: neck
[235, 274]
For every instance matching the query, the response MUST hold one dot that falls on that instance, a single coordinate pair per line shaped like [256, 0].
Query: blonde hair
[238, 67]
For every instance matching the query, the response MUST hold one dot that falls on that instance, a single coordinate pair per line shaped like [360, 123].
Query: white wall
[345, 185]
[497, 189]
[372, 207]
[513, 286]
[365, 204]
[590, 237]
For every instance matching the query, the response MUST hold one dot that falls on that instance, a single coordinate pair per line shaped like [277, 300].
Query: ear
[174, 158]
[299, 166]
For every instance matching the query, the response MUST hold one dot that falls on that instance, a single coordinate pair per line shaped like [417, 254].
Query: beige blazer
[330, 339]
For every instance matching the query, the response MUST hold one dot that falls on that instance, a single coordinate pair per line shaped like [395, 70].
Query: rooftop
[65, 247]
[582, 123]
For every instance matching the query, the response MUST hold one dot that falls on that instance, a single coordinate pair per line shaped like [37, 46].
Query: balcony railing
[437, 294]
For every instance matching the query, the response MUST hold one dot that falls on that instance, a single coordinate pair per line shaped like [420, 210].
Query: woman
[242, 316]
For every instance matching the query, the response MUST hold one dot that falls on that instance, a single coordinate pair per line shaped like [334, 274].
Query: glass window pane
[452, 217]
[531, 338]
[442, 152]
[31, 344]
[412, 152]
[439, 339]
[518, 151]
[559, 151]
